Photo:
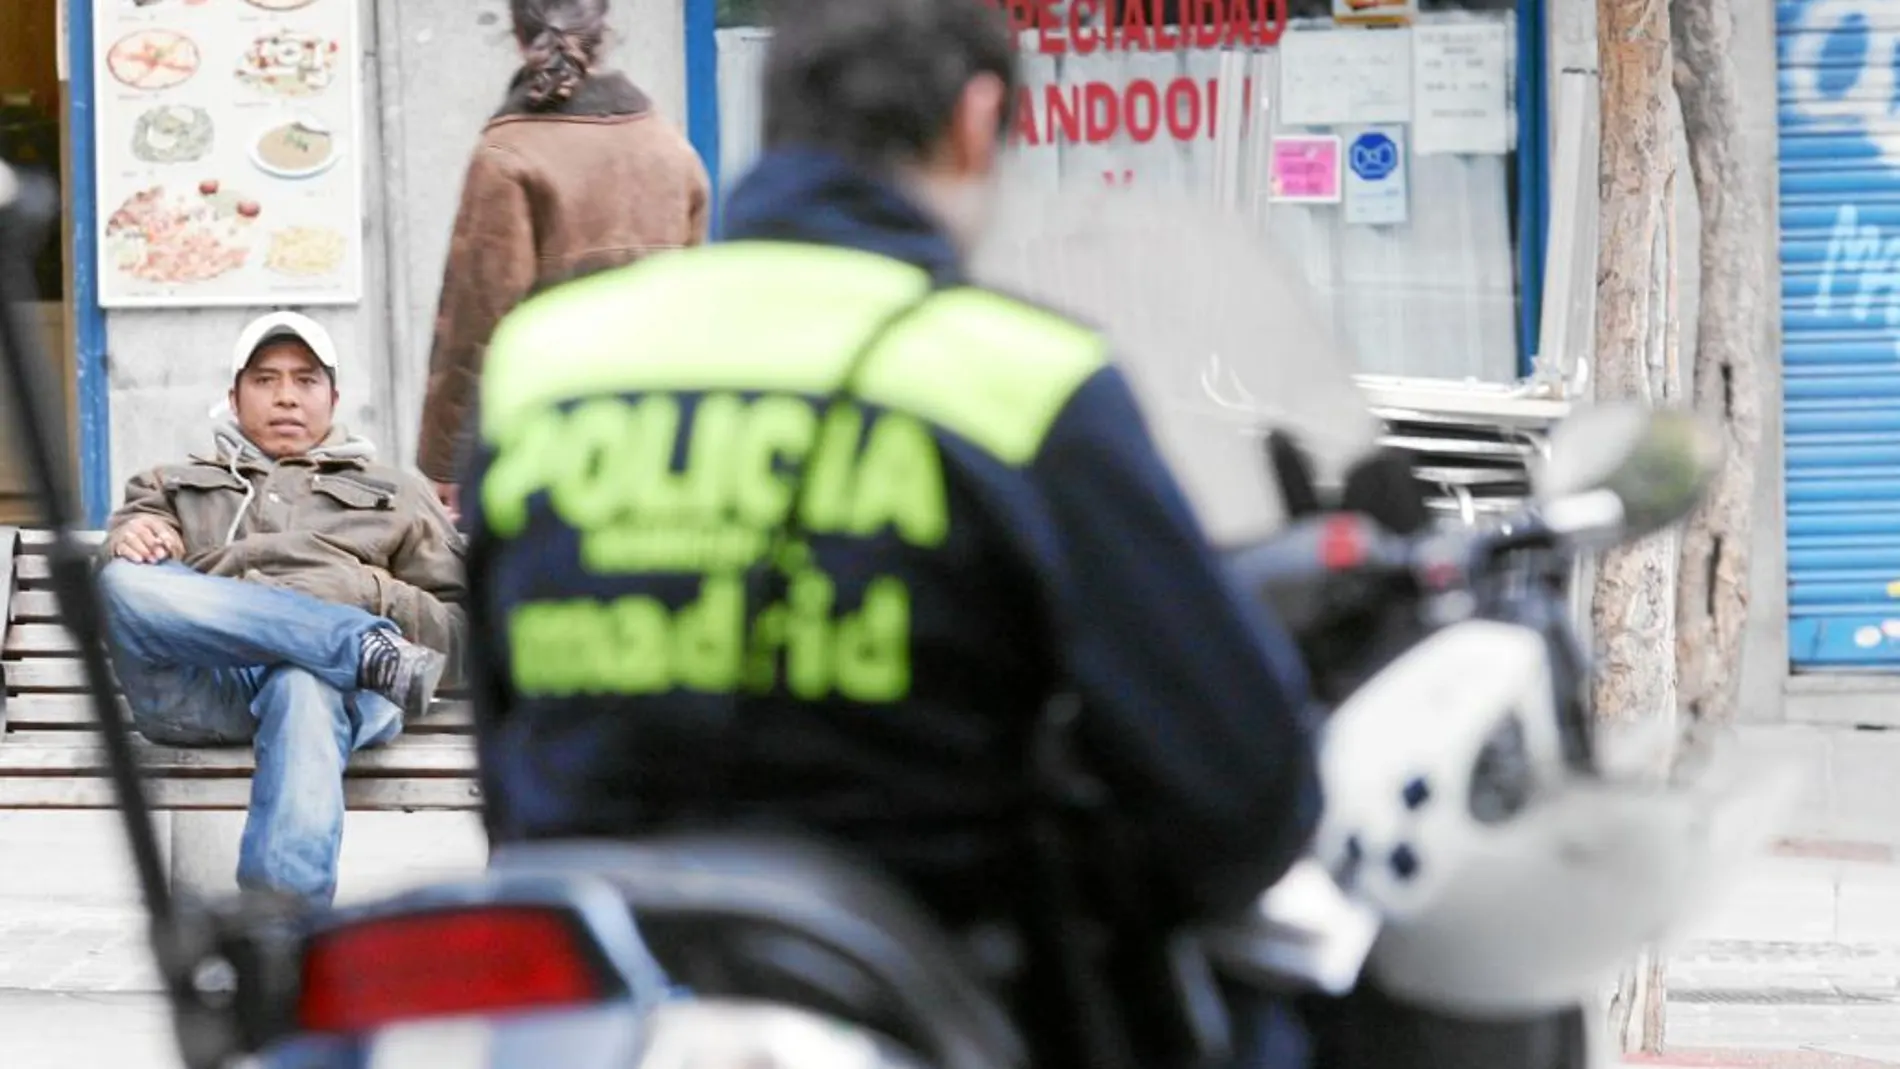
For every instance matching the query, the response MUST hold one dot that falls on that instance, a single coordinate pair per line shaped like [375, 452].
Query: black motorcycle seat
[788, 920]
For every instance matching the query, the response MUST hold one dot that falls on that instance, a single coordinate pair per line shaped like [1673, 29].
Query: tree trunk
[1634, 610]
[1636, 1005]
[1712, 595]
[1634, 613]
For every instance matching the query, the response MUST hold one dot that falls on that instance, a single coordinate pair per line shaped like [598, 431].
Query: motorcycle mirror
[1621, 471]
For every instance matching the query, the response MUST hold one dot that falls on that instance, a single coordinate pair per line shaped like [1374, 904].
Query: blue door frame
[1533, 177]
[702, 91]
[95, 395]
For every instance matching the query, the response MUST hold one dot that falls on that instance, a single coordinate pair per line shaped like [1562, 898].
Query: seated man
[284, 591]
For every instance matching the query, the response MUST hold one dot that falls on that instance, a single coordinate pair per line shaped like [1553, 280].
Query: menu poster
[1333, 77]
[230, 152]
[1462, 90]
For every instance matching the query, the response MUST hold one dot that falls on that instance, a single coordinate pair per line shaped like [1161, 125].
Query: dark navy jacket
[1080, 570]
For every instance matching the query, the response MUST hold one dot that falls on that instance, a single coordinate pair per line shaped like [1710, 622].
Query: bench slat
[37, 541]
[55, 792]
[34, 571]
[9, 543]
[39, 640]
[41, 753]
[35, 606]
[67, 674]
[44, 674]
[27, 712]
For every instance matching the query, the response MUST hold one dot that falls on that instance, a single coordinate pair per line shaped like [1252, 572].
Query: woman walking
[575, 174]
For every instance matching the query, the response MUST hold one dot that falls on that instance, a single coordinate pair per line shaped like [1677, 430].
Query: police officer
[804, 530]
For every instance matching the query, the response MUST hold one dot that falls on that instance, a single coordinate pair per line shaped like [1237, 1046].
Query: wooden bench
[52, 756]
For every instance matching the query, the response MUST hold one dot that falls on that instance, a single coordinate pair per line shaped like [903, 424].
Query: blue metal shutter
[1839, 76]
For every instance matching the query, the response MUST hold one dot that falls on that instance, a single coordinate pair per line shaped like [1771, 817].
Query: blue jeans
[206, 661]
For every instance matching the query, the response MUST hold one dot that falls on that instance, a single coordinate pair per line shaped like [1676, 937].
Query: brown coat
[331, 524]
[599, 182]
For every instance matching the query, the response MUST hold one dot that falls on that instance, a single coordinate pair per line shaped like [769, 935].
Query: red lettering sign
[1095, 112]
[1084, 27]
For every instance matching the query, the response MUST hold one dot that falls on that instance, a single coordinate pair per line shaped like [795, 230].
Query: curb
[1752, 1059]
[1833, 850]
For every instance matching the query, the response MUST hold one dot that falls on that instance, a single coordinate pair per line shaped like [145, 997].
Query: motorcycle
[1450, 914]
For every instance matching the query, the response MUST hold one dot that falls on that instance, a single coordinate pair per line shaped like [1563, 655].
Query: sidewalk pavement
[77, 988]
[1800, 968]
[66, 1030]
[1753, 1060]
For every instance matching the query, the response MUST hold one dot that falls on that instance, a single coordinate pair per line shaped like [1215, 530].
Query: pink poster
[1306, 169]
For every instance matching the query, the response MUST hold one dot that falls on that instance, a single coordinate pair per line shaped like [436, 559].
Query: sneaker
[401, 671]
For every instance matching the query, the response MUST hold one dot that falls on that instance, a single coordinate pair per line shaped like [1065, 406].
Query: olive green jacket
[332, 524]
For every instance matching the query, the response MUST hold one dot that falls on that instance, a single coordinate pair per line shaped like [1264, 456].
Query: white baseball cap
[276, 325]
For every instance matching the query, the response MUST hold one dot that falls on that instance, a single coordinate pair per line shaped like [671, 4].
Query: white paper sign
[1348, 75]
[1461, 95]
[230, 153]
[1375, 176]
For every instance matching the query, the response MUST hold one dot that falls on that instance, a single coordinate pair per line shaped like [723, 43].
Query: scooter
[1451, 912]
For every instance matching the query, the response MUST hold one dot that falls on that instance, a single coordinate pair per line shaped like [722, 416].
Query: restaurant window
[1391, 169]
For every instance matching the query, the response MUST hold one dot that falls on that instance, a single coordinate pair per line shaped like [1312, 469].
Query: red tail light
[441, 963]
[1342, 543]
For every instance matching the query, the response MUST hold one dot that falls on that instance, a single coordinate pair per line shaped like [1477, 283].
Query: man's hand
[147, 540]
[451, 497]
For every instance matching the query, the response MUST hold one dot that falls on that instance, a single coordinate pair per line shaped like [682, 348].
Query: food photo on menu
[161, 235]
[153, 60]
[224, 184]
[290, 64]
[173, 133]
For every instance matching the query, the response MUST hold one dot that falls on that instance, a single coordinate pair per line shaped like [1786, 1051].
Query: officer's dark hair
[878, 80]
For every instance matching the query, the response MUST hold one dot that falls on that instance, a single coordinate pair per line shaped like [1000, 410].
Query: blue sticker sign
[1375, 193]
[1373, 156]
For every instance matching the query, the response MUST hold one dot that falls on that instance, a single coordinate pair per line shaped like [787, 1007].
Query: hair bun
[557, 63]
[560, 40]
